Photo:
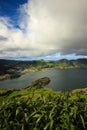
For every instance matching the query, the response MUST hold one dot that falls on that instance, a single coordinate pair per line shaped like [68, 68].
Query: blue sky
[9, 8]
[41, 29]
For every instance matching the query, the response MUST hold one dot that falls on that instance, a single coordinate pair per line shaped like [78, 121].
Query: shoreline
[26, 71]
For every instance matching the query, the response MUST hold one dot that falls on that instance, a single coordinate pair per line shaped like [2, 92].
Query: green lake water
[64, 80]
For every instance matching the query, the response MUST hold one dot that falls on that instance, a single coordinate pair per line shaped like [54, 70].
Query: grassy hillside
[36, 108]
[13, 69]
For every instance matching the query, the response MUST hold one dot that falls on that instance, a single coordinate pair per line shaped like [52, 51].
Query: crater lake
[61, 80]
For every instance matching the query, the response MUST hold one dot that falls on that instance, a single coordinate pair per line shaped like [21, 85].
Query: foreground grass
[43, 109]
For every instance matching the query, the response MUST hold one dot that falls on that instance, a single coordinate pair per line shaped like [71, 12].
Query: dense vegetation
[13, 69]
[39, 108]
[43, 109]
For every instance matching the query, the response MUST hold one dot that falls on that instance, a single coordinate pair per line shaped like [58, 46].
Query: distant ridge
[6, 65]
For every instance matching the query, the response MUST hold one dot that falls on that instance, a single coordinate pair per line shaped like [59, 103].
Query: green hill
[13, 69]
[39, 108]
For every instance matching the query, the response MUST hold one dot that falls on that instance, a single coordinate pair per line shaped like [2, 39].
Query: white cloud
[46, 27]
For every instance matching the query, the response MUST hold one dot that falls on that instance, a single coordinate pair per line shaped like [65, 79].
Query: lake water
[64, 80]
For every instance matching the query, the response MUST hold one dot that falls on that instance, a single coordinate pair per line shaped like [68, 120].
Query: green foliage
[14, 69]
[56, 111]
[5, 92]
[41, 82]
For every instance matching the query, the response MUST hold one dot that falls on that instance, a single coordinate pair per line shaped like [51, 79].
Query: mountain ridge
[15, 68]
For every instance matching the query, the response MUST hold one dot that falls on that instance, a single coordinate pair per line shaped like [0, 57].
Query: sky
[43, 29]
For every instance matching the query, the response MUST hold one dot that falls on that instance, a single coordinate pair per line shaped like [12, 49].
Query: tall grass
[45, 113]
